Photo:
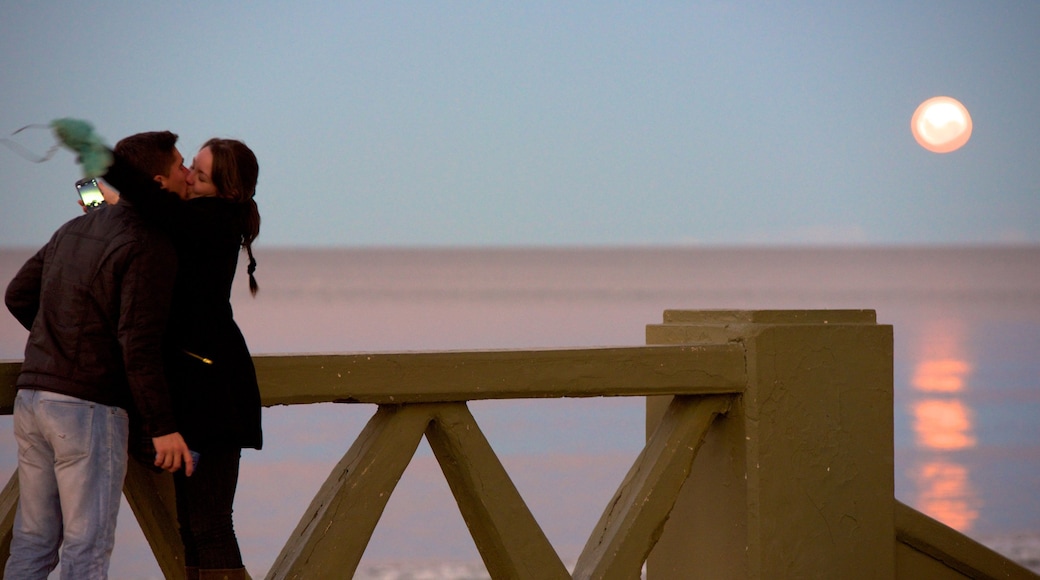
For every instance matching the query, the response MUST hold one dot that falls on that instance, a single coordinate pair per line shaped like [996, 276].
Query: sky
[549, 123]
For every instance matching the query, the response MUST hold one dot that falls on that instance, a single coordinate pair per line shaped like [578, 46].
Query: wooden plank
[152, 499]
[510, 541]
[9, 370]
[632, 522]
[334, 531]
[8, 507]
[952, 550]
[450, 376]
[724, 317]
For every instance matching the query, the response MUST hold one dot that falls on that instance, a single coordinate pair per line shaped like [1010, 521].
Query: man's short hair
[150, 152]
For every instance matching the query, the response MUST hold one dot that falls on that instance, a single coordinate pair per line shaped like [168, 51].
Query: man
[96, 300]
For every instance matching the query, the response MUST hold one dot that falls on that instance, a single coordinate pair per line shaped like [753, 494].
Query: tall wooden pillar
[796, 481]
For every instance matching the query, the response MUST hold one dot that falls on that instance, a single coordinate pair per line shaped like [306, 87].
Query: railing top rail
[425, 377]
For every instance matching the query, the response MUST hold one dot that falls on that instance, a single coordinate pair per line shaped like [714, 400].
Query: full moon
[941, 125]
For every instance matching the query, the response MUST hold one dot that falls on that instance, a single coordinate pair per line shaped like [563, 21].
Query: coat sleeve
[145, 305]
[23, 293]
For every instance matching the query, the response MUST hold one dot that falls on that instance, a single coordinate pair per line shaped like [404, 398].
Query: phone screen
[90, 193]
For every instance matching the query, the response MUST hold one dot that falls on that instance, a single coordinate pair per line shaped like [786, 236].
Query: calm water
[967, 375]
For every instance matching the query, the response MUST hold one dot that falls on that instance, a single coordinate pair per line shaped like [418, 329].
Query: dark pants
[204, 506]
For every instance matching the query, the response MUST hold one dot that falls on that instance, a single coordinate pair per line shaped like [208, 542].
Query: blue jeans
[71, 466]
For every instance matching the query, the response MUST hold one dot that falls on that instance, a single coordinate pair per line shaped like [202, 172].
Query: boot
[222, 574]
[191, 573]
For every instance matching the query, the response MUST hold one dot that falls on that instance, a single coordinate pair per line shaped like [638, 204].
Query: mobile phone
[90, 193]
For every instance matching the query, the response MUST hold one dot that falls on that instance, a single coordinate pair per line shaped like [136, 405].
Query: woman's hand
[171, 452]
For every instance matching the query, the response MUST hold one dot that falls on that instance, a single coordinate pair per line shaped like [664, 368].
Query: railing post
[796, 481]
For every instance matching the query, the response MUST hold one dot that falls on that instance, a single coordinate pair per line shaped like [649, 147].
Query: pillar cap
[770, 317]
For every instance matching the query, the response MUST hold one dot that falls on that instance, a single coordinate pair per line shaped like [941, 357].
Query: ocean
[967, 378]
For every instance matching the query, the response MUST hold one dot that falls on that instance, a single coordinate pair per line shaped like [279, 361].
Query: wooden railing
[768, 453]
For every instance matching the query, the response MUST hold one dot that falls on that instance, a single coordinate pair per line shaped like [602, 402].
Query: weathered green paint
[439, 377]
[926, 548]
[8, 375]
[785, 317]
[151, 497]
[632, 523]
[797, 479]
[334, 531]
[509, 540]
[8, 506]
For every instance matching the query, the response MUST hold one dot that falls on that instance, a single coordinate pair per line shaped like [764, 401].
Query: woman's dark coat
[215, 394]
[210, 371]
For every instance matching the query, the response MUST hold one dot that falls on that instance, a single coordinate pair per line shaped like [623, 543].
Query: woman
[212, 380]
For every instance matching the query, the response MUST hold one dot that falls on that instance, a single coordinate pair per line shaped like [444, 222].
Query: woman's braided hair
[234, 174]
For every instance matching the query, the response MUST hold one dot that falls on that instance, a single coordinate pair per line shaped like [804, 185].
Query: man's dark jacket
[96, 300]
